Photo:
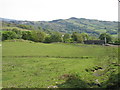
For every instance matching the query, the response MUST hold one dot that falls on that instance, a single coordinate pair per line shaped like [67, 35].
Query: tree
[92, 38]
[107, 36]
[54, 37]
[117, 41]
[9, 35]
[85, 36]
[74, 36]
[77, 37]
[40, 28]
[18, 32]
[48, 39]
[27, 35]
[66, 37]
[38, 36]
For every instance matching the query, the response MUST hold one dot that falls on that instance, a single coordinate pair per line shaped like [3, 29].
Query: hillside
[90, 26]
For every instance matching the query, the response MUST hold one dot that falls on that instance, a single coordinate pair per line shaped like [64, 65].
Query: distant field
[101, 30]
[116, 35]
[11, 28]
[54, 49]
[39, 65]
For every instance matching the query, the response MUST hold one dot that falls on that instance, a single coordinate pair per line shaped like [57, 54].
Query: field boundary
[83, 57]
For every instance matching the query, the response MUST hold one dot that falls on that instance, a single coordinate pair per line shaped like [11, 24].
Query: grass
[39, 65]
[55, 49]
[101, 30]
[39, 72]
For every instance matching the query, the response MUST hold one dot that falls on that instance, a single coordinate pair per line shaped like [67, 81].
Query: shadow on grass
[72, 81]
[113, 82]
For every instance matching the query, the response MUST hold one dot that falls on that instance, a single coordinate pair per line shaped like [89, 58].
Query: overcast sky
[39, 10]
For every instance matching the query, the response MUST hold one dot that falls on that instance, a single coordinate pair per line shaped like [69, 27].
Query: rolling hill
[90, 26]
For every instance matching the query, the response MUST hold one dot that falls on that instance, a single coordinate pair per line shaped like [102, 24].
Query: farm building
[100, 42]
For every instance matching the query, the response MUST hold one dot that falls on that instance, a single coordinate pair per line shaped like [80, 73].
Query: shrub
[9, 35]
[27, 35]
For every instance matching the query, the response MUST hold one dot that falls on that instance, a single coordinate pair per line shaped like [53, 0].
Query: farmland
[28, 64]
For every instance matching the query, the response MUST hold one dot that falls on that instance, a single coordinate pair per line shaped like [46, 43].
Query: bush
[66, 38]
[18, 32]
[48, 40]
[107, 36]
[38, 36]
[54, 37]
[27, 35]
[9, 35]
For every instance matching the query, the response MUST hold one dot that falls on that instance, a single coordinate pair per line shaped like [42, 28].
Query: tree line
[41, 36]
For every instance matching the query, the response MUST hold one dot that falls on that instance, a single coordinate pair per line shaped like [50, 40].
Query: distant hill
[90, 26]
[5, 19]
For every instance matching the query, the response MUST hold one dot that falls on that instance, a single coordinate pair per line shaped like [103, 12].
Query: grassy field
[58, 65]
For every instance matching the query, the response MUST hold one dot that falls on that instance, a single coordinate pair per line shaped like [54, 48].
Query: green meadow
[28, 64]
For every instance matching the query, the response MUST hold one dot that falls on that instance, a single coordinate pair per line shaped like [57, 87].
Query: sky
[47, 10]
